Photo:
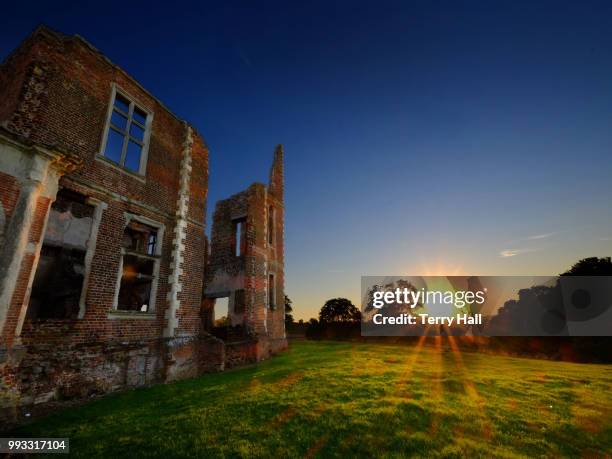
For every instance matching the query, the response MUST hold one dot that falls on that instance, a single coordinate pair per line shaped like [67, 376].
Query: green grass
[345, 399]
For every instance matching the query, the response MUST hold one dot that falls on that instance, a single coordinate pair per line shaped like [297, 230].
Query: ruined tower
[246, 263]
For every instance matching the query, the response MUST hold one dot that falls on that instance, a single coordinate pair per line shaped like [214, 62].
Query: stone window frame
[272, 294]
[152, 312]
[115, 89]
[99, 208]
[239, 246]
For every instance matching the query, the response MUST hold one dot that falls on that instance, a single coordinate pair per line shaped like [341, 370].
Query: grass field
[344, 400]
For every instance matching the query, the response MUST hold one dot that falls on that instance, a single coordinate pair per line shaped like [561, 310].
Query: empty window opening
[271, 225]
[128, 128]
[271, 292]
[239, 239]
[56, 290]
[222, 318]
[140, 259]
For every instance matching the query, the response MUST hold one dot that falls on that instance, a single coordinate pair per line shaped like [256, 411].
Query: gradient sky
[420, 137]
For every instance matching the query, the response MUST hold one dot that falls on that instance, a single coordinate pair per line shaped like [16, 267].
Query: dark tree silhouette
[339, 310]
[592, 266]
[513, 314]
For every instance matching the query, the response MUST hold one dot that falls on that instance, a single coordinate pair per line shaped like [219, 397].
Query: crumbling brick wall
[13, 71]
[244, 273]
[56, 93]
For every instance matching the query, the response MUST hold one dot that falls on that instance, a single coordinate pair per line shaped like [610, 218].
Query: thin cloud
[541, 236]
[534, 237]
[514, 252]
[508, 253]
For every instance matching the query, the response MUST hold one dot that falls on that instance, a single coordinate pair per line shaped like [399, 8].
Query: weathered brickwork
[128, 244]
[9, 190]
[13, 82]
[247, 259]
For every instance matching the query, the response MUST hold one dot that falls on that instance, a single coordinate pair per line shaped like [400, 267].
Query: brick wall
[59, 93]
[77, 371]
[64, 102]
[9, 191]
[13, 72]
[276, 250]
[249, 272]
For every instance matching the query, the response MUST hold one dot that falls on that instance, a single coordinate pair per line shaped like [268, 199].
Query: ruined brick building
[107, 279]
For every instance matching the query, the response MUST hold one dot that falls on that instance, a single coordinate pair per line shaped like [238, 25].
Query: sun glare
[440, 268]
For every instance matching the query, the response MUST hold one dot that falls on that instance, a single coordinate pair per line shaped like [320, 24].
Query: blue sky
[420, 137]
